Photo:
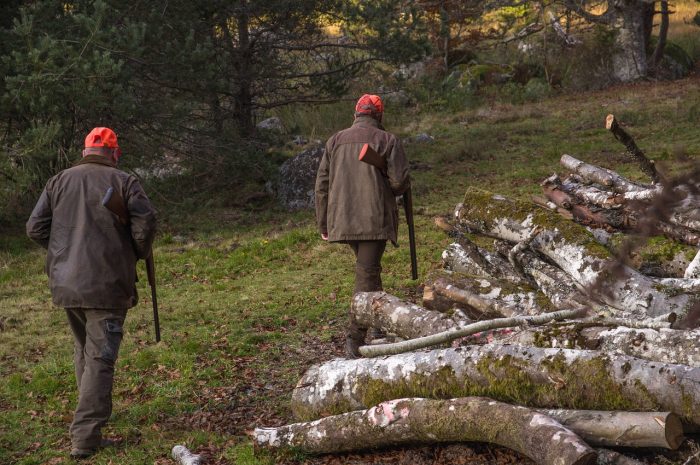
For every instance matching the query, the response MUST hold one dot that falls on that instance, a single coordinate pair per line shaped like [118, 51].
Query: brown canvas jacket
[354, 200]
[91, 257]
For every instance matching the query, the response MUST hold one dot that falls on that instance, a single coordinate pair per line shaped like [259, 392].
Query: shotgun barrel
[370, 156]
[114, 202]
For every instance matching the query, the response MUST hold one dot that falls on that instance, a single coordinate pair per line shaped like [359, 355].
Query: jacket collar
[367, 121]
[96, 159]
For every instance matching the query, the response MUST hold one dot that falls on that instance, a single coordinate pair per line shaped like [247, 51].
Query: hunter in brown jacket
[91, 264]
[356, 202]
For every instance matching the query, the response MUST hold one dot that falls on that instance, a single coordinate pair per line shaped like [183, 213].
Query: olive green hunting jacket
[91, 256]
[355, 200]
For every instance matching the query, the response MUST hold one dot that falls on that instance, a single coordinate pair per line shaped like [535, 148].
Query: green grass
[251, 298]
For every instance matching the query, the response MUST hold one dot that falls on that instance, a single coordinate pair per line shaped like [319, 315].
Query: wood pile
[551, 342]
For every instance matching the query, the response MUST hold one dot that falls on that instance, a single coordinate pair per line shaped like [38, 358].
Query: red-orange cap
[369, 105]
[101, 137]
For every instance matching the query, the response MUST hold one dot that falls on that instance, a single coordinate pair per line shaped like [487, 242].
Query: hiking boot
[82, 454]
[352, 347]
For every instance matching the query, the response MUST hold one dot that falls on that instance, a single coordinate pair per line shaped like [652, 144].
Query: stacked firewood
[550, 343]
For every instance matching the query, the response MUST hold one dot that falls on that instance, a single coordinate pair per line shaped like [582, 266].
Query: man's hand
[324, 236]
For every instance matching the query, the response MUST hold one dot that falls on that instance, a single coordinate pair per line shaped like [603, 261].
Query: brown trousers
[368, 276]
[97, 335]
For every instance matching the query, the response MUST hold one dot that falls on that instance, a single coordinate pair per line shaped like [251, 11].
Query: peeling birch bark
[572, 248]
[406, 320]
[661, 345]
[546, 378]
[486, 298]
[415, 420]
[622, 429]
[459, 259]
[592, 195]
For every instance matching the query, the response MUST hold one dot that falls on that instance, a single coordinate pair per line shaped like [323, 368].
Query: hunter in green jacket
[356, 202]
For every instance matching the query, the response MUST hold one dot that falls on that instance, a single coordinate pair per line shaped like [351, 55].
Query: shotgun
[114, 202]
[370, 156]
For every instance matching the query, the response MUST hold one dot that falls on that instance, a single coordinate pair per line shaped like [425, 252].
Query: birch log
[405, 319]
[611, 457]
[661, 345]
[415, 420]
[610, 179]
[622, 429]
[547, 378]
[573, 249]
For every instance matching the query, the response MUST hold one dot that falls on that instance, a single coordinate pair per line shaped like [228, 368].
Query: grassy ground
[250, 298]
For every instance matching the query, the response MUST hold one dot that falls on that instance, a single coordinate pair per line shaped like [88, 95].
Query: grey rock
[300, 140]
[297, 179]
[422, 138]
[271, 124]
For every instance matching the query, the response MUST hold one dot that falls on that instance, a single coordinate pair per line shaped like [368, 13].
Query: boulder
[271, 124]
[297, 179]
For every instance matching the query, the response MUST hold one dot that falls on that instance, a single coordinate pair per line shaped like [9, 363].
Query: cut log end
[610, 122]
[674, 431]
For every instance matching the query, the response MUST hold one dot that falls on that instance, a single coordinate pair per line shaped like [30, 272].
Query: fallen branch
[412, 420]
[378, 350]
[647, 166]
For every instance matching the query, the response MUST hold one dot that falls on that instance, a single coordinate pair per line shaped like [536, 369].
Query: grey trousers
[97, 334]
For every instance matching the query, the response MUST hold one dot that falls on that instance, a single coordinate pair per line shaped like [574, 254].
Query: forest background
[250, 297]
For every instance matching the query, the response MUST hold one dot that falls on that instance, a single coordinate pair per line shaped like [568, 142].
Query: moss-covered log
[573, 249]
[548, 378]
[404, 319]
[661, 345]
[412, 420]
[622, 429]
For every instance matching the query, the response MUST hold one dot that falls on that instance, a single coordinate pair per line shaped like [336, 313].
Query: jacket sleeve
[397, 169]
[39, 223]
[143, 219]
[321, 192]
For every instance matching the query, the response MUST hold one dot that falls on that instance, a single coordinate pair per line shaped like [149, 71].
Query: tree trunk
[663, 35]
[547, 378]
[622, 429]
[661, 345]
[629, 56]
[406, 320]
[610, 179]
[414, 420]
[573, 249]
